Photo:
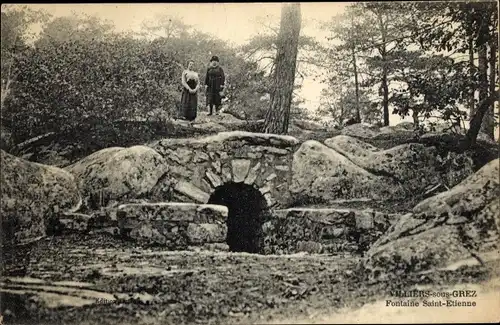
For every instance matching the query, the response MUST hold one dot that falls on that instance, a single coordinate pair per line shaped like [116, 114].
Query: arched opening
[247, 210]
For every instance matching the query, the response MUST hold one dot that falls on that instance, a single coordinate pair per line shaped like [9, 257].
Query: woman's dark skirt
[214, 98]
[189, 105]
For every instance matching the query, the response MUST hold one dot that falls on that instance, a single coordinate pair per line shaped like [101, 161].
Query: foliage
[165, 26]
[93, 82]
[412, 57]
[77, 27]
[433, 86]
[80, 72]
[16, 21]
[262, 49]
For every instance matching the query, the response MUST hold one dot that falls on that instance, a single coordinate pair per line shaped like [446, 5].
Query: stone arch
[198, 166]
[250, 172]
[248, 209]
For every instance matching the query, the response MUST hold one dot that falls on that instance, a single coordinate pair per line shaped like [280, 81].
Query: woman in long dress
[189, 99]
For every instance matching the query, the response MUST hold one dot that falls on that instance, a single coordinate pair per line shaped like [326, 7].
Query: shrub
[75, 84]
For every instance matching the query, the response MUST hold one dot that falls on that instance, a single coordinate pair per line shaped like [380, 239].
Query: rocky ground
[106, 281]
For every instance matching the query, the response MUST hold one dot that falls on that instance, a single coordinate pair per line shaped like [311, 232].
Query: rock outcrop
[360, 130]
[118, 174]
[321, 174]
[413, 166]
[368, 131]
[444, 229]
[308, 125]
[219, 123]
[31, 195]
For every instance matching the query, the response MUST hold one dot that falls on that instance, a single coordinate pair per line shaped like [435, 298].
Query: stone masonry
[324, 231]
[199, 166]
[173, 225]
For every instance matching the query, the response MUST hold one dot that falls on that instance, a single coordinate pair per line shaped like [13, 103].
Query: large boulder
[369, 131]
[210, 126]
[472, 194]
[222, 122]
[415, 166]
[360, 130]
[308, 125]
[32, 194]
[356, 150]
[117, 174]
[444, 229]
[203, 117]
[321, 174]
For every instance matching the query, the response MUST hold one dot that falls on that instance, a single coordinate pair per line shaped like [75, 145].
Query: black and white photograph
[250, 163]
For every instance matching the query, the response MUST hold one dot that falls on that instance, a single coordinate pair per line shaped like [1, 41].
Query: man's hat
[214, 58]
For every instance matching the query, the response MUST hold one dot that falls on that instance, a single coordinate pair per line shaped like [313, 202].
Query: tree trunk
[356, 84]
[385, 89]
[475, 123]
[472, 68]
[415, 119]
[483, 77]
[488, 126]
[383, 54]
[483, 40]
[278, 115]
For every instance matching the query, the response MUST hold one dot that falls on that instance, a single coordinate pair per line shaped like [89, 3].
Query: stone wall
[179, 226]
[198, 166]
[173, 225]
[324, 231]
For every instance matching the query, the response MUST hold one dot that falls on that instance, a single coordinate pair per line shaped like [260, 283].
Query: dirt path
[97, 280]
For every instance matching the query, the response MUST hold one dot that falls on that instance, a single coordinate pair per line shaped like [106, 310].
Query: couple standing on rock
[214, 87]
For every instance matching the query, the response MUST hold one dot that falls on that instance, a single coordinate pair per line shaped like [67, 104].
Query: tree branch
[376, 45]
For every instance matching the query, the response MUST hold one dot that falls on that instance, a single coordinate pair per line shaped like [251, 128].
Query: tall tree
[380, 33]
[451, 26]
[262, 48]
[347, 29]
[472, 66]
[491, 17]
[487, 37]
[382, 21]
[278, 115]
[432, 86]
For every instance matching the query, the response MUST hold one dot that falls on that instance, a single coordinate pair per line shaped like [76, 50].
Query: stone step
[173, 225]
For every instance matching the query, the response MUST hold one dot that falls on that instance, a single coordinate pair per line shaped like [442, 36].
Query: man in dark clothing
[214, 85]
